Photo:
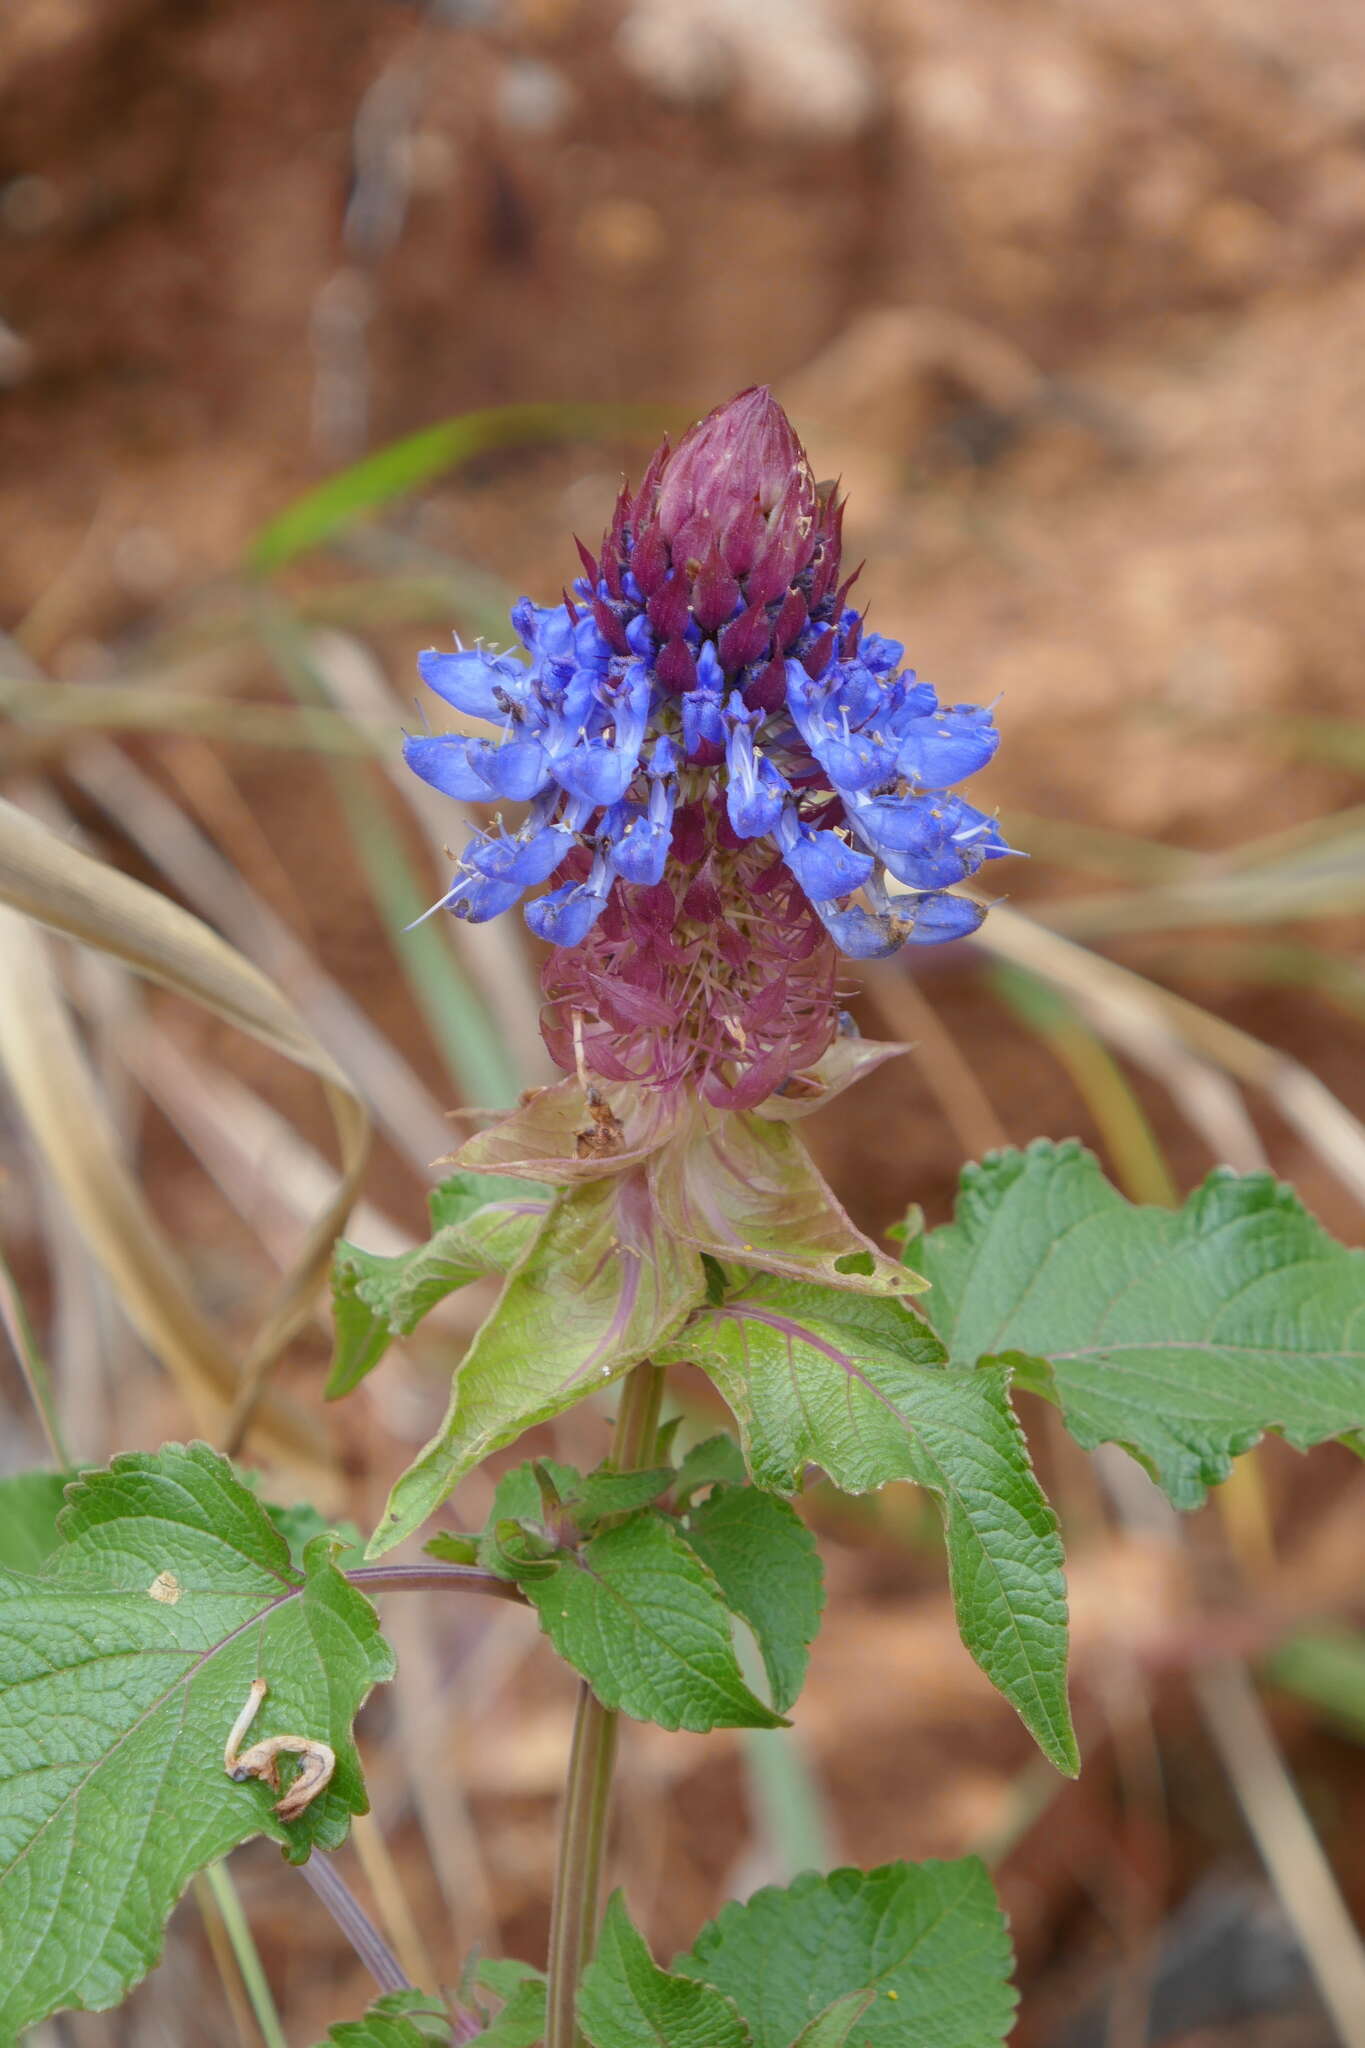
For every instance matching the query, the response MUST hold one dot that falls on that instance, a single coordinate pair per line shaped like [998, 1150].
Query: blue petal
[906, 824]
[639, 638]
[825, 865]
[855, 760]
[937, 869]
[568, 914]
[473, 681]
[601, 769]
[517, 770]
[857, 696]
[710, 674]
[754, 800]
[975, 830]
[639, 844]
[595, 772]
[544, 629]
[755, 793]
[524, 859]
[477, 898]
[806, 702]
[880, 654]
[862, 934]
[665, 757]
[701, 720]
[947, 747]
[569, 710]
[442, 759]
[590, 650]
[906, 701]
[940, 918]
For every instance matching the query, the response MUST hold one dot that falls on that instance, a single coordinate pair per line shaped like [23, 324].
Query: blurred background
[322, 329]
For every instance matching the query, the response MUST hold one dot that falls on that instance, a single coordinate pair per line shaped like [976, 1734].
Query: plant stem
[225, 1962]
[355, 1923]
[587, 1793]
[432, 1578]
[248, 1957]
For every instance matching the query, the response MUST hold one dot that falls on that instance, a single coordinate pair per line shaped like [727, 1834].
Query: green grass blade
[401, 467]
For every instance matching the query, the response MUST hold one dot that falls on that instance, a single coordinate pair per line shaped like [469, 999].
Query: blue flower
[705, 711]
[755, 792]
[567, 914]
[484, 686]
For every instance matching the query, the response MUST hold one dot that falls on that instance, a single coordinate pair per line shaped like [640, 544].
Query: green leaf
[748, 1192]
[503, 1975]
[1182, 1335]
[627, 2001]
[792, 1362]
[832, 2027]
[452, 1548]
[715, 1459]
[460, 1197]
[768, 1569]
[641, 1617]
[375, 1297]
[405, 465]
[520, 2024]
[857, 1386]
[300, 1523]
[926, 1939]
[400, 2019]
[30, 1503]
[517, 1501]
[605, 1492]
[600, 1288]
[128, 1660]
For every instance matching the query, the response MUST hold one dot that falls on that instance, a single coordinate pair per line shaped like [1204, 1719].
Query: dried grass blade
[53, 1085]
[60, 887]
[1188, 1047]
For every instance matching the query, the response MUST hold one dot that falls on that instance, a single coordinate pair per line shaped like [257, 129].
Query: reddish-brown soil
[1074, 301]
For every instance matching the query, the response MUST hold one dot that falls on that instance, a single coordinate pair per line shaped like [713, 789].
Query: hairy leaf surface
[768, 1569]
[480, 1226]
[127, 1660]
[30, 1503]
[1183, 1335]
[748, 1192]
[716, 1459]
[627, 2001]
[600, 1288]
[639, 1614]
[926, 1939]
[833, 2027]
[858, 1387]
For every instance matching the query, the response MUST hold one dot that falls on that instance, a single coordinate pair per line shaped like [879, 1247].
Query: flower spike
[722, 767]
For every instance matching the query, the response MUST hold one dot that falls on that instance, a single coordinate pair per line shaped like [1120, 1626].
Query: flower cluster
[721, 770]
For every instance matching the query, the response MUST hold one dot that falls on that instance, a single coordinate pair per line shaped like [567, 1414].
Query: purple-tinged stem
[354, 1922]
[431, 1578]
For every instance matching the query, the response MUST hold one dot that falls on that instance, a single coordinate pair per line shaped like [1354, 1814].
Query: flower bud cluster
[721, 770]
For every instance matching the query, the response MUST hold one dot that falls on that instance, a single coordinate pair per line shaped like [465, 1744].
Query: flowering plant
[723, 787]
